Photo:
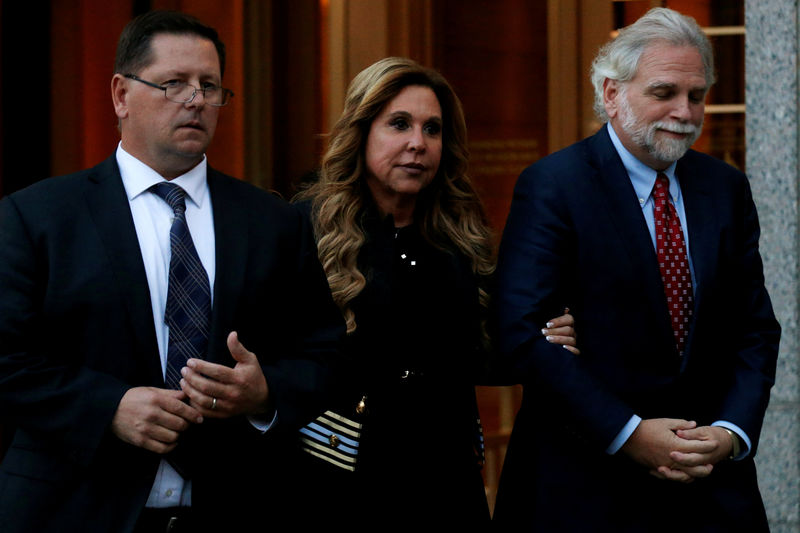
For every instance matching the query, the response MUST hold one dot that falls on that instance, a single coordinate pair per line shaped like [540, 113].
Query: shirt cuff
[623, 436]
[746, 444]
[262, 423]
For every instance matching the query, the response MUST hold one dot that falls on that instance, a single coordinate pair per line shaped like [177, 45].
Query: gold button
[362, 405]
[334, 440]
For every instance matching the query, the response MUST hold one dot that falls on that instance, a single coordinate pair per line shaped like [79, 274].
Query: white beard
[664, 148]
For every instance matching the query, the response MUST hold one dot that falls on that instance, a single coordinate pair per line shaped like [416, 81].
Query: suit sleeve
[301, 380]
[44, 392]
[756, 356]
[535, 277]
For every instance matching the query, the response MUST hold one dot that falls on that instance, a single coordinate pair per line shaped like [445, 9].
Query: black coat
[415, 356]
[76, 332]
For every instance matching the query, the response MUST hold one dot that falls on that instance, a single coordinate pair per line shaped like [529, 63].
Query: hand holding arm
[239, 390]
[152, 418]
[561, 331]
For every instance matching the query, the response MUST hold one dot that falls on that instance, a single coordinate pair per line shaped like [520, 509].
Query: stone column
[771, 71]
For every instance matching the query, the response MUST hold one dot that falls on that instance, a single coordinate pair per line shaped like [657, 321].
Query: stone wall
[771, 71]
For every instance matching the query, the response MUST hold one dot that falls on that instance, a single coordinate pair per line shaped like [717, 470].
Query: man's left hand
[218, 391]
[711, 434]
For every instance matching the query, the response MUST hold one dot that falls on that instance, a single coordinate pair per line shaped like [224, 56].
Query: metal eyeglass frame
[227, 94]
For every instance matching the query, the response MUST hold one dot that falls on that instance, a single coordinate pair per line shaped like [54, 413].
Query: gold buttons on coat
[362, 405]
[334, 440]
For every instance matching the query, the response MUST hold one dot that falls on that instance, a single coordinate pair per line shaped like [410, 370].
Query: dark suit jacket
[576, 237]
[76, 332]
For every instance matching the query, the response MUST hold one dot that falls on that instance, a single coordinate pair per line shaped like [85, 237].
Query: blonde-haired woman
[404, 242]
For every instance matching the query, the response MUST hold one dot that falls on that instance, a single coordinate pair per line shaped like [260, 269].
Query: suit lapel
[231, 236]
[703, 235]
[110, 210]
[629, 224]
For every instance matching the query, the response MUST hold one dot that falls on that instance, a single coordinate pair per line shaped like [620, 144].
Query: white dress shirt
[152, 217]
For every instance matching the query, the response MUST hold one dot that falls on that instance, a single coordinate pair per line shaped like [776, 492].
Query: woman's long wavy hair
[448, 211]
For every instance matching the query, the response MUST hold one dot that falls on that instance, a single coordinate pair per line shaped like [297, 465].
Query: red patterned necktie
[672, 261]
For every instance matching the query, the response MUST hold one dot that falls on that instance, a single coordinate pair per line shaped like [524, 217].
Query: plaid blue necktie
[188, 312]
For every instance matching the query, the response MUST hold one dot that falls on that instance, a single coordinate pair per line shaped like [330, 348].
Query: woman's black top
[413, 360]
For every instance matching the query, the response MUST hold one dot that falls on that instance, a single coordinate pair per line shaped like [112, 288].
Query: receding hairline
[148, 57]
[658, 46]
[134, 44]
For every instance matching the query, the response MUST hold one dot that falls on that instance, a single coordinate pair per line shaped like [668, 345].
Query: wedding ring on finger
[213, 403]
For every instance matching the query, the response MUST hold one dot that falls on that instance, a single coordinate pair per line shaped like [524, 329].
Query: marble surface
[771, 55]
[778, 464]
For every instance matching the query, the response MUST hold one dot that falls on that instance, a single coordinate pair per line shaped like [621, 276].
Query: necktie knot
[661, 188]
[172, 194]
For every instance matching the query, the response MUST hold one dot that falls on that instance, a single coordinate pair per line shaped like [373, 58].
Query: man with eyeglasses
[160, 322]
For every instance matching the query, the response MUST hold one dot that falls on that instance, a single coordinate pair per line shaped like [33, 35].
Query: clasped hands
[678, 450]
[672, 449]
[153, 418]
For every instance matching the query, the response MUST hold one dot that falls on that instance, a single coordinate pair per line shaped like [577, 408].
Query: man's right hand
[153, 418]
[654, 439]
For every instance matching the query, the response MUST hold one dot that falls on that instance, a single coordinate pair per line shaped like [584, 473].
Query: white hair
[619, 59]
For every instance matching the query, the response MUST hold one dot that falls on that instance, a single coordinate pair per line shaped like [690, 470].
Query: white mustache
[675, 127]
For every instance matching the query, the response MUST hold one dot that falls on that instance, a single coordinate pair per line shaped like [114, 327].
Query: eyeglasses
[183, 93]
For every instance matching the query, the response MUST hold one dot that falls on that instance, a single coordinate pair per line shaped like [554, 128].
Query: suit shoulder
[56, 190]
[259, 201]
[568, 163]
[707, 162]
[698, 165]
[305, 207]
[245, 189]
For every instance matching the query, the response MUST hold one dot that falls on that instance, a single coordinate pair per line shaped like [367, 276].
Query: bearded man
[654, 248]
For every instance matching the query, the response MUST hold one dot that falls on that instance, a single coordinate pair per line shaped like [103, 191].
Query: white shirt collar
[137, 177]
[642, 177]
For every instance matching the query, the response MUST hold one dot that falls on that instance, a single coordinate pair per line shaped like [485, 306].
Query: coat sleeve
[756, 351]
[301, 380]
[42, 391]
[536, 268]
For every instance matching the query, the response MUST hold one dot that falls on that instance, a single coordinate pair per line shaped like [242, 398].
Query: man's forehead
[664, 60]
[183, 52]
